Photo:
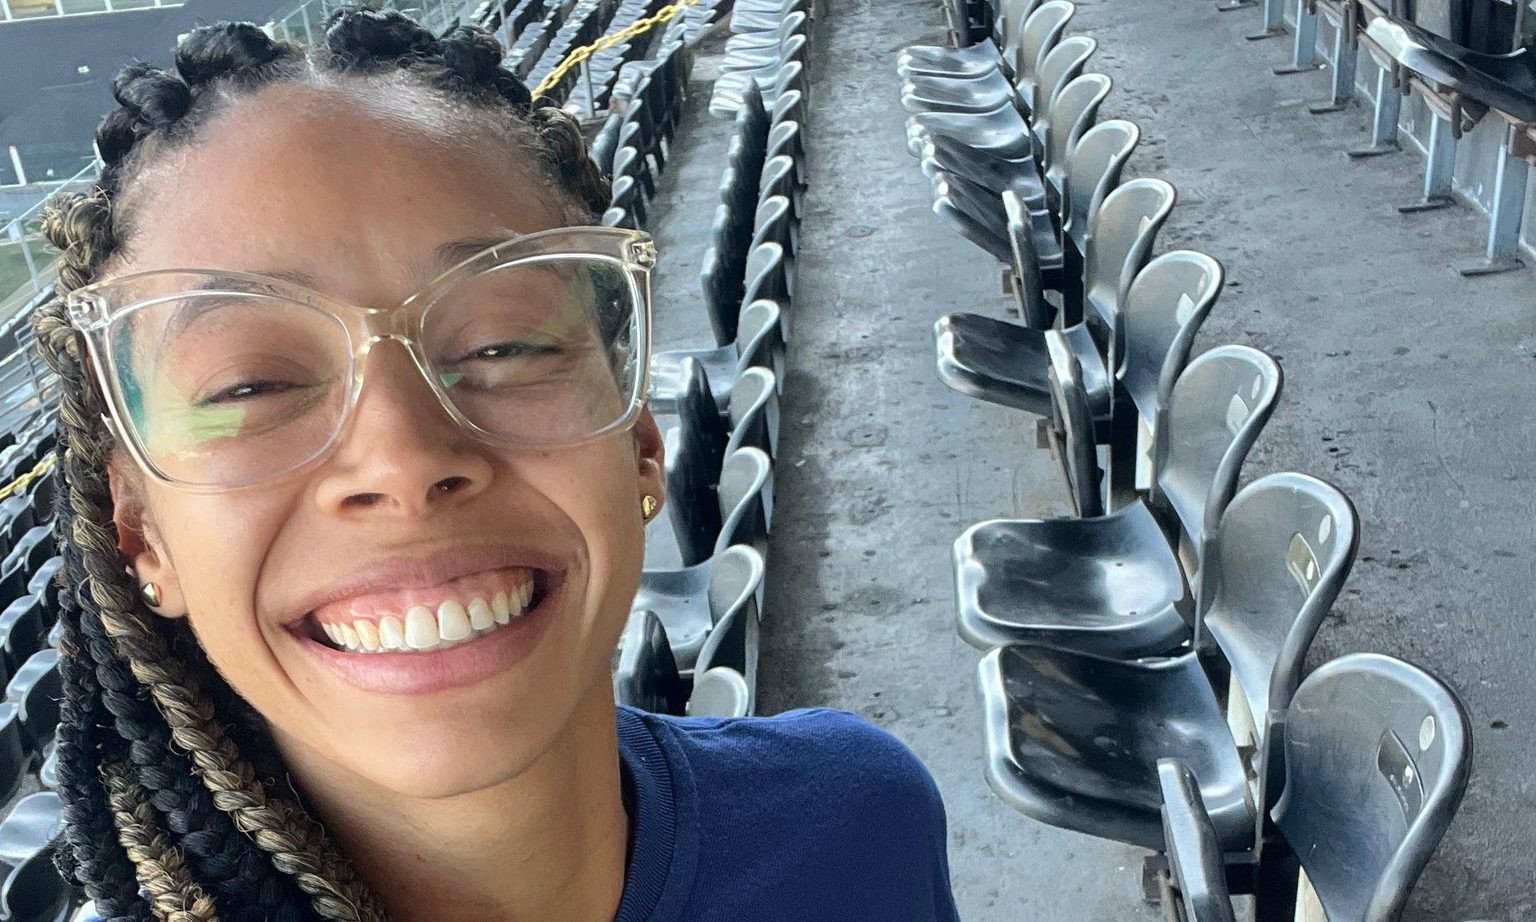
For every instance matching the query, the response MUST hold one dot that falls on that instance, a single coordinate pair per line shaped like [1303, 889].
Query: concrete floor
[1410, 405]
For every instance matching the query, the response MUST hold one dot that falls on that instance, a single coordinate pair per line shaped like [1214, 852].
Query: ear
[140, 544]
[652, 457]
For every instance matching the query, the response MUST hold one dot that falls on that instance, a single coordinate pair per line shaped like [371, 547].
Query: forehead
[355, 185]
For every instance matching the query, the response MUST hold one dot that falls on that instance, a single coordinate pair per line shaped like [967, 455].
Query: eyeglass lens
[229, 387]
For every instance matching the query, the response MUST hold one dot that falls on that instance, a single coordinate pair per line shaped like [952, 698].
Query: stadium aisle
[879, 468]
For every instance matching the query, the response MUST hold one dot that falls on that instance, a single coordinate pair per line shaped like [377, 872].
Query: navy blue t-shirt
[808, 816]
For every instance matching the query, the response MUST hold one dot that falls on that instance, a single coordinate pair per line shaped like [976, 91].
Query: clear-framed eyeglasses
[220, 380]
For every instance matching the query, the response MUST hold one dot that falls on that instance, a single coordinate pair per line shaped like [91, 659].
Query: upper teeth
[421, 629]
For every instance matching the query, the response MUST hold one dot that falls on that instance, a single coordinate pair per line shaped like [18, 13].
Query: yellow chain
[575, 58]
[22, 482]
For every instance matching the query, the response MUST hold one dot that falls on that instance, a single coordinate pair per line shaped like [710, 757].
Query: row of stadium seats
[1143, 676]
[691, 645]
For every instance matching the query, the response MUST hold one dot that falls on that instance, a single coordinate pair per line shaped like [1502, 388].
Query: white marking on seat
[1237, 414]
[1186, 310]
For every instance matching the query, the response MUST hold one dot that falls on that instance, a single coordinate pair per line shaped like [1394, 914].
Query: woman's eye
[511, 350]
[249, 390]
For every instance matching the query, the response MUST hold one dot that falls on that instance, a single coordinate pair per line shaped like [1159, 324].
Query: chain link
[22, 482]
[665, 15]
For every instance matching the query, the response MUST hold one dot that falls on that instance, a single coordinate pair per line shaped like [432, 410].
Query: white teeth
[420, 628]
[453, 622]
[391, 634]
[368, 634]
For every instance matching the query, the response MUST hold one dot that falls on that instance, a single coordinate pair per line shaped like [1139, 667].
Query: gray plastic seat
[733, 641]
[754, 413]
[775, 223]
[1093, 171]
[720, 692]
[759, 344]
[1196, 864]
[36, 689]
[1041, 33]
[1074, 112]
[1113, 585]
[23, 625]
[1073, 435]
[681, 597]
[1057, 69]
[1377, 757]
[1163, 308]
[1000, 132]
[785, 139]
[1073, 739]
[973, 212]
[29, 827]
[971, 60]
[691, 601]
[14, 758]
[924, 93]
[645, 675]
[1119, 245]
[695, 443]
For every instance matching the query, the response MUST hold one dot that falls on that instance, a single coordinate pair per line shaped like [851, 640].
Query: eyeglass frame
[633, 251]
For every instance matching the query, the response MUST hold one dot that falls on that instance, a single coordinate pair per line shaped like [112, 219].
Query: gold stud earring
[151, 593]
[648, 506]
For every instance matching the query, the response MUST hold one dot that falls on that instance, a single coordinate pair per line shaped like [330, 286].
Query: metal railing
[29, 10]
[304, 21]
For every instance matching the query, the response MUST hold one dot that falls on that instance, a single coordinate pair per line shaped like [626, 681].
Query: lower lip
[440, 670]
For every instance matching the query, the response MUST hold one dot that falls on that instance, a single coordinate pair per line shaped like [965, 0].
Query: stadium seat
[973, 60]
[1073, 739]
[23, 626]
[34, 892]
[14, 758]
[36, 689]
[1114, 585]
[1070, 116]
[645, 675]
[29, 827]
[1377, 757]
[759, 344]
[720, 692]
[733, 640]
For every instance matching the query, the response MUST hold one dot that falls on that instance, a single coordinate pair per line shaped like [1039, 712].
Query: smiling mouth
[429, 620]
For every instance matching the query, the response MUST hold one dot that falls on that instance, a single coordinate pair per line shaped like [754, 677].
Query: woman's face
[410, 513]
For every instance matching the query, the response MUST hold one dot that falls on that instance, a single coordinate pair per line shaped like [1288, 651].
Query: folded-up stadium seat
[759, 344]
[733, 641]
[690, 601]
[1377, 756]
[14, 758]
[1073, 739]
[645, 673]
[23, 625]
[1115, 585]
[36, 689]
[972, 60]
[34, 892]
[29, 827]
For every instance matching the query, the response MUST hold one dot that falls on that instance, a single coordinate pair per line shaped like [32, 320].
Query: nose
[402, 455]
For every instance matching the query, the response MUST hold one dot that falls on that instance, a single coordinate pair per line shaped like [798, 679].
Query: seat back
[750, 139]
[1028, 280]
[778, 178]
[746, 499]
[760, 339]
[1214, 414]
[1276, 560]
[771, 223]
[693, 467]
[790, 106]
[1074, 111]
[1196, 864]
[1057, 68]
[734, 589]
[786, 140]
[1074, 422]
[1041, 31]
[1163, 308]
[755, 412]
[32, 823]
[1377, 756]
[1093, 171]
[720, 692]
[1118, 246]
[766, 275]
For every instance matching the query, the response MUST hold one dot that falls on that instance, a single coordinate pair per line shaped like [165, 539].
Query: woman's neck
[548, 844]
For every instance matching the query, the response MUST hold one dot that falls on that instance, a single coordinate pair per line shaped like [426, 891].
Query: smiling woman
[358, 468]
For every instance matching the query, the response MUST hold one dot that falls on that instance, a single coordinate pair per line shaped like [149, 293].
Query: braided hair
[175, 803]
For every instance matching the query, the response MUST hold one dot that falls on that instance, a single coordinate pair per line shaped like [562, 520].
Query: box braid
[175, 803]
